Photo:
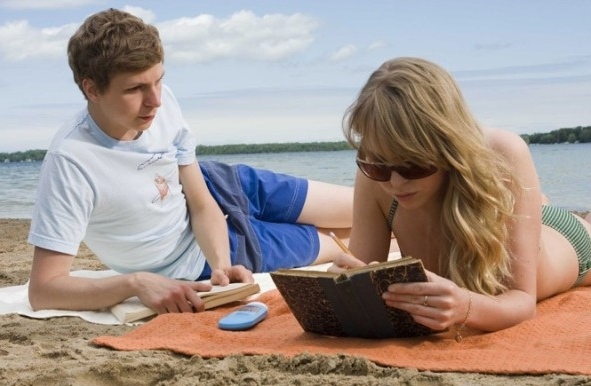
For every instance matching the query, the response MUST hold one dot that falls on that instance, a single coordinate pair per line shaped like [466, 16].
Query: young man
[122, 177]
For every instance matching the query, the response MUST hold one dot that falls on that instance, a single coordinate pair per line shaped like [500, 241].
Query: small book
[133, 309]
[350, 303]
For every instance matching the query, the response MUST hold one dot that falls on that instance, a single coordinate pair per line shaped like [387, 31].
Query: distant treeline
[580, 134]
[273, 148]
[37, 155]
[23, 156]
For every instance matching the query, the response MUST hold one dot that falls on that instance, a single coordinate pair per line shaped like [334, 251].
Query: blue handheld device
[244, 318]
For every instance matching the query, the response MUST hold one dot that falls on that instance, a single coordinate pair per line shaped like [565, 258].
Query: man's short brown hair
[112, 42]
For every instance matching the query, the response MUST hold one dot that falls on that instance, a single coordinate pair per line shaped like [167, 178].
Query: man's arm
[209, 227]
[52, 287]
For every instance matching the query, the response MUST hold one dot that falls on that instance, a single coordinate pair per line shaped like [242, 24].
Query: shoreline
[57, 351]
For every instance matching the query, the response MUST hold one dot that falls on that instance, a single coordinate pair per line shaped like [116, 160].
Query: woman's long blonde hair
[412, 111]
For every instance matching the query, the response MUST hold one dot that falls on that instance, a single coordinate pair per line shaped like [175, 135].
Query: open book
[133, 309]
[350, 303]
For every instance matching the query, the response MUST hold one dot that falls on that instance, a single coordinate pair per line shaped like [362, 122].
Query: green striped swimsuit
[565, 223]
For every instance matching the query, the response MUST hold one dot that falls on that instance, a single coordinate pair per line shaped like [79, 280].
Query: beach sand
[57, 351]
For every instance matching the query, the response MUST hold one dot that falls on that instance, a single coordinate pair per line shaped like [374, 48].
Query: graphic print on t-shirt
[162, 186]
[153, 159]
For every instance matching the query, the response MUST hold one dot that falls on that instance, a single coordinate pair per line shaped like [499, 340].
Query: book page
[349, 272]
[216, 289]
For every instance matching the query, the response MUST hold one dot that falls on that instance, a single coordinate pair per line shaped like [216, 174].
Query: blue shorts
[262, 209]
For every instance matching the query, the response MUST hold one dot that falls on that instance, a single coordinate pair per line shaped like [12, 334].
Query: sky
[285, 71]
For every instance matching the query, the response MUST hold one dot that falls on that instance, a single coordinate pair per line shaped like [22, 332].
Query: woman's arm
[370, 235]
[524, 235]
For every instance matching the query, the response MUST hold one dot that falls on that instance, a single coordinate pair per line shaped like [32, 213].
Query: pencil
[340, 243]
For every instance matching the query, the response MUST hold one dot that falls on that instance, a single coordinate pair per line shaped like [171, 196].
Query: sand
[57, 351]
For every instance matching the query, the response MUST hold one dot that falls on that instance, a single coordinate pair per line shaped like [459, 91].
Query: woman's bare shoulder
[505, 142]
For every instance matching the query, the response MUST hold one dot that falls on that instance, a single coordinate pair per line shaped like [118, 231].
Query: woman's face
[415, 193]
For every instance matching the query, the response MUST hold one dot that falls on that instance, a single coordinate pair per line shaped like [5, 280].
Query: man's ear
[90, 90]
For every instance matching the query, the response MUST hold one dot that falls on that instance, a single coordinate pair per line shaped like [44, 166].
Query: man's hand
[233, 274]
[166, 295]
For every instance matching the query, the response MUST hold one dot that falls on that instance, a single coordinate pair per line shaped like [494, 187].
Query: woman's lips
[404, 196]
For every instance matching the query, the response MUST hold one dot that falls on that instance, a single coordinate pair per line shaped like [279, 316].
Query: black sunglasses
[379, 171]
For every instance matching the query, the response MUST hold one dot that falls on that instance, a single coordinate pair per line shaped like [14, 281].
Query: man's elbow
[38, 298]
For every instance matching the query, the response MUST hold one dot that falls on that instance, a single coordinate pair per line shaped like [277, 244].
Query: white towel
[15, 300]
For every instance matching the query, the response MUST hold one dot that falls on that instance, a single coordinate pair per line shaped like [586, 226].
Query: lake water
[564, 170]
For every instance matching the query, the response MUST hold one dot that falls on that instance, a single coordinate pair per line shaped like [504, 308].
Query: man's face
[129, 105]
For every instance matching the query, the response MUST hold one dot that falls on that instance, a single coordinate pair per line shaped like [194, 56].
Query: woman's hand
[166, 295]
[345, 261]
[437, 304]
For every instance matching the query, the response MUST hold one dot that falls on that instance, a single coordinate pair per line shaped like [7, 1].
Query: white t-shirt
[122, 198]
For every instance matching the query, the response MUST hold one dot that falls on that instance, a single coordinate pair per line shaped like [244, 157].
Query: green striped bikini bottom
[565, 223]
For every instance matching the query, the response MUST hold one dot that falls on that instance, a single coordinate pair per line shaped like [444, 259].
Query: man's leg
[327, 206]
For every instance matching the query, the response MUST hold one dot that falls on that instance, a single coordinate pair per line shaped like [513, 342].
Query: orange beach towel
[557, 340]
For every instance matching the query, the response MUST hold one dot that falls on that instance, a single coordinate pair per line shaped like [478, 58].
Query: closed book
[350, 303]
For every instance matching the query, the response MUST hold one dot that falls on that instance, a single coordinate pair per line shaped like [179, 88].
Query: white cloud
[145, 14]
[243, 35]
[203, 38]
[20, 41]
[343, 53]
[377, 45]
[46, 4]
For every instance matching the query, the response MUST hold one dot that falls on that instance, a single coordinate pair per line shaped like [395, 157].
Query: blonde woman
[464, 199]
